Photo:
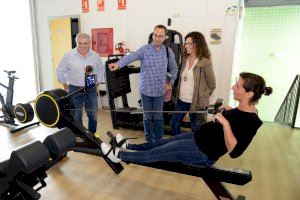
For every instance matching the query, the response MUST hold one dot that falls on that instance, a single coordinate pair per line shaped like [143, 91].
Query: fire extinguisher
[120, 47]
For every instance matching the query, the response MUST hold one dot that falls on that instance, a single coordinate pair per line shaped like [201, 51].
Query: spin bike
[22, 112]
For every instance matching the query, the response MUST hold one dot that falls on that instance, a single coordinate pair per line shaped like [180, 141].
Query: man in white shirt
[71, 74]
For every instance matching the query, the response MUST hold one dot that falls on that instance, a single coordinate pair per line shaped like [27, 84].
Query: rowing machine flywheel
[51, 105]
[23, 112]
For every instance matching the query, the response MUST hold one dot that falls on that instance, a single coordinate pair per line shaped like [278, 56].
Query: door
[61, 42]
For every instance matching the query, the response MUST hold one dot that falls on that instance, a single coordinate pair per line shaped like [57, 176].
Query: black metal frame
[287, 112]
[9, 99]
[213, 176]
[8, 107]
[118, 85]
[23, 177]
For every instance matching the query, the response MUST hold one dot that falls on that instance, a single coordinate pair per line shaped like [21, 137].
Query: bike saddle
[10, 72]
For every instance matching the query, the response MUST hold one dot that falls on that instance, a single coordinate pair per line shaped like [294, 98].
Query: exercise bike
[22, 112]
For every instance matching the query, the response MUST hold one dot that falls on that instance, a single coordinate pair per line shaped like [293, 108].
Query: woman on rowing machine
[231, 131]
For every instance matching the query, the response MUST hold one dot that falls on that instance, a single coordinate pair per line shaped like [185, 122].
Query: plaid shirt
[153, 68]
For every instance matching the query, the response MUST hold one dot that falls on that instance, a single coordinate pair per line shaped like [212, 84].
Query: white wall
[17, 50]
[237, 51]
[136, 23]
[44, 11]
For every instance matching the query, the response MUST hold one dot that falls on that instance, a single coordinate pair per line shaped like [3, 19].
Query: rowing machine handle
[218, 103]
[219, 111]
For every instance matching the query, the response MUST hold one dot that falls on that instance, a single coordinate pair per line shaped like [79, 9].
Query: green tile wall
[271, 47]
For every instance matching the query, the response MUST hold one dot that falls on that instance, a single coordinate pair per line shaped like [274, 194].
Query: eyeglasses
[188, 44]
[158, 36]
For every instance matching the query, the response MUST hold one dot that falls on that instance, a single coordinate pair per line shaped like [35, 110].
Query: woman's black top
[210, 137]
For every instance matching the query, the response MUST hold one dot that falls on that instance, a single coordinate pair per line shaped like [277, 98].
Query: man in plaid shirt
[153, 84]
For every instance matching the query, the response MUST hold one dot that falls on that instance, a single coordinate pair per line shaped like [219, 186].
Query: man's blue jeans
[178, 117]
[180, 148]
[89, 100]
[153, 121]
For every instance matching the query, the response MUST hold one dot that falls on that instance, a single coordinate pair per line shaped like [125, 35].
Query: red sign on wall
[100, 5]
[85, 6]
[102, 41]
[121, 4]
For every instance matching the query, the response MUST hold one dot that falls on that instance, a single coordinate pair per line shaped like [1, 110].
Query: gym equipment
[22, 112]
[213, 176]
[55, 108]
[27, 166]
[118, 85]
[22, 163]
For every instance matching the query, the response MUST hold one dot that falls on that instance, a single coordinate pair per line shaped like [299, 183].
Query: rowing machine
[213, 176]
[55, 108]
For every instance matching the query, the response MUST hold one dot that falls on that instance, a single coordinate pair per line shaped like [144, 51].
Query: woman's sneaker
[113, 156]
[120, 139]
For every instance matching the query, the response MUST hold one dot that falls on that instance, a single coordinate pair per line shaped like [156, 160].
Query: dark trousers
[89, 100]
[178, 117]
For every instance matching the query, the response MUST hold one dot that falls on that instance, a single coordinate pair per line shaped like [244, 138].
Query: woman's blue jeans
[178, 117]
[180, 148]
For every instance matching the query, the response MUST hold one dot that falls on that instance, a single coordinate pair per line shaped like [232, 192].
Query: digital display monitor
[90, 81]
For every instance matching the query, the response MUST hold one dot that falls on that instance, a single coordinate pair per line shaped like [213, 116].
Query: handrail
[287, 112]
